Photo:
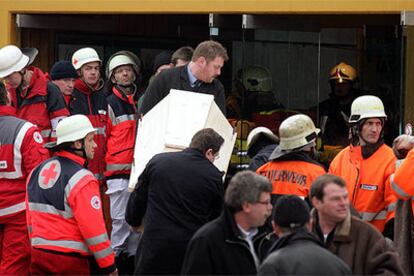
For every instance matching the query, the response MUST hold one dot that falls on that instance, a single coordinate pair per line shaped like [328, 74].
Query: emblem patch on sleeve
[37, 137]
[96, 202]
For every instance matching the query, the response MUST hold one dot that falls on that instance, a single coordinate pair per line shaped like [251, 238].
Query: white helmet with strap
[365, 107]
[71, 129]
[296, 132]
[83, 56]
[12, 60]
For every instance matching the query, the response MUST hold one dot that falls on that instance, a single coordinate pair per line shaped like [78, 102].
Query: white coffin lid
[170, 125]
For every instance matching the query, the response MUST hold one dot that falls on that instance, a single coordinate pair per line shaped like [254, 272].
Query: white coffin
[170, 125]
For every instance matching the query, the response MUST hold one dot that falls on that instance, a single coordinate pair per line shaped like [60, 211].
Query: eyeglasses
[216, 156]
[265, 202]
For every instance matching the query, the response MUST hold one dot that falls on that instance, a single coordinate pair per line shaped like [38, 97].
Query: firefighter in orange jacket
[21, 149]
[35, 98]
[402, 182]
[292, 168]
[122, 71]
[367, 163]
[64, 216]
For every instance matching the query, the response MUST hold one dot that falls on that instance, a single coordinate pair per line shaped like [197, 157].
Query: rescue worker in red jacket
[122, 71]
[88, 98]
[35, 98]
[64, 75]
[292, 167]
[64, 216]
[21, 149]
[367, 163]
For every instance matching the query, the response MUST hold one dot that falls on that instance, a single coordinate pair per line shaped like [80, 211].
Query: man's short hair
[206, 139]
[246, 187]
[3, 94]
[184, 53]
[318, 186]
[290, 211]
[210, 50]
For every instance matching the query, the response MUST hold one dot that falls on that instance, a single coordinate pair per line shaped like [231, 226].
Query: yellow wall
[10, 7]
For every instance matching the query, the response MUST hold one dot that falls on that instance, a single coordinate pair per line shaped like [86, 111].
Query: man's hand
[402, 145]
[114, 273]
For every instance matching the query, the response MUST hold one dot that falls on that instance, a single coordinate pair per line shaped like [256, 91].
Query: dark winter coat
[300, 253]
[262, 157]
[219, 249]
[362, 247]
[178, 192]
[177, 78]
[404, 234]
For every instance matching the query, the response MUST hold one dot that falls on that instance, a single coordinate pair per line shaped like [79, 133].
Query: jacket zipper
[355, 188]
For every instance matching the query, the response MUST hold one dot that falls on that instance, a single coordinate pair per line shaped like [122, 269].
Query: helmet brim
[31, 53]
[22, 63]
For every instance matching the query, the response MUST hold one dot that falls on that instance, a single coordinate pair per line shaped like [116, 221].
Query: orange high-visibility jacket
[368, 182]
[402, 182]
[291, 177]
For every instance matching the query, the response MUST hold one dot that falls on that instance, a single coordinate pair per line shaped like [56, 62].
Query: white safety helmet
[365, 107]
[71, 129]
[255, 134]
[83, 56]
[297, 131]
[117, 61]
[12, 60]
[256, 78]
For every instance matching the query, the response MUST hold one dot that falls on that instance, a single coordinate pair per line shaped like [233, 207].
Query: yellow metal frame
[8, 8]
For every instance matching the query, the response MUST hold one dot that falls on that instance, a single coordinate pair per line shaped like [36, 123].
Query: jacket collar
[342, 231]
[299, 235]
[76, 158]
[86, 89]
[233, 233]
[7, 110]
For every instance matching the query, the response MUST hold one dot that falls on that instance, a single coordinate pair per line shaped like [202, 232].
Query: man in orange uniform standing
[88, 98]
[66, 226]
[367, 163]
[21, 149]
[35, 98]
[292, 168]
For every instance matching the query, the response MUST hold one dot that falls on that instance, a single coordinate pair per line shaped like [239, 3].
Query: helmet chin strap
[82, 150]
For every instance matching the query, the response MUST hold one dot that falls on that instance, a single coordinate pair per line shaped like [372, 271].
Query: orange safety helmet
[342, 72]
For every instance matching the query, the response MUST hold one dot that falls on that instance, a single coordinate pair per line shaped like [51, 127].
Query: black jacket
[178, 192]
[177, 78]
[218, 249]
[300, 253]
[262, 157]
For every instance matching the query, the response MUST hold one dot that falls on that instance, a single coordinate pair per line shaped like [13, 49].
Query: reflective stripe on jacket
[402, 181]
[21, 149]
[92, 103]
[65, 211]
[121, 134]
[368, 182]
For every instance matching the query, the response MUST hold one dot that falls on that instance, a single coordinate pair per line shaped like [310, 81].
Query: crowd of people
[67, 144]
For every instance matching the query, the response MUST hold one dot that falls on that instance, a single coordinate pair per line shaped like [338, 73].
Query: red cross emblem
[49, 174]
